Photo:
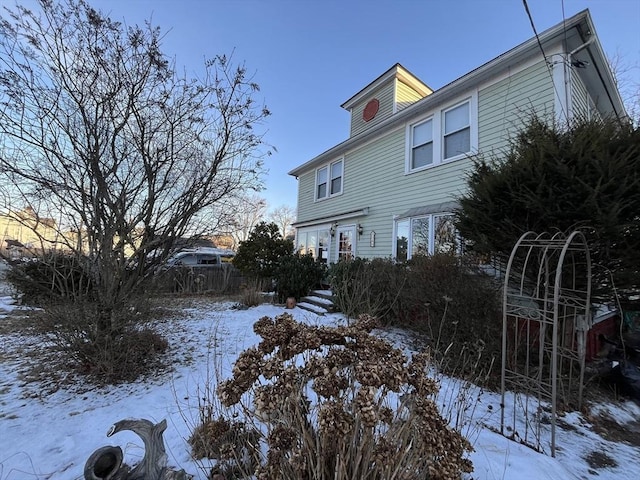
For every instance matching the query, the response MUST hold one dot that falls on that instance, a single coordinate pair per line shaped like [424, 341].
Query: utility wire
[549, 64]
[526, 7]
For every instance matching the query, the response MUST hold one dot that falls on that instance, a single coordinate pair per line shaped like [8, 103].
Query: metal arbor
[546, 302]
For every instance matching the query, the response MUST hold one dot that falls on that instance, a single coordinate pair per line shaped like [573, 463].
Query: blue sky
[310, 56]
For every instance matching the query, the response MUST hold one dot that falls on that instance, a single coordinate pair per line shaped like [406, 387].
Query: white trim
[437, 116]
[561, 78]
[516, 69]
[485, 73]
[431, 219]
[346, 228]
[328, 166]
[397, 73]
[394, 106]
[333, 218]
[316, 229]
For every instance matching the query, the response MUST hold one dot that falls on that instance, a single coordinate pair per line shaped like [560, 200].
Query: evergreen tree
[586, 177]
[260, 254]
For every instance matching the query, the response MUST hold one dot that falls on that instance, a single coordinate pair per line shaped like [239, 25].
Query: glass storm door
[346, 243]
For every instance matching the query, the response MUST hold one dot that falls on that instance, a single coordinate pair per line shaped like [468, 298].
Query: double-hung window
[321, 183]
[457, 131]
[329, 180]
[336, 178]
[445, 134]
[422, 144]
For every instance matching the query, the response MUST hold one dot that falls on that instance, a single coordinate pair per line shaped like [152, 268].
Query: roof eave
[396, 71]
[516, 55]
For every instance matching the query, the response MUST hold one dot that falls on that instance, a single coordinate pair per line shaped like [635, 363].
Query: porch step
[319, 302]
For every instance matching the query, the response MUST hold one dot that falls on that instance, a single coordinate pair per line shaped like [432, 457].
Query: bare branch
[98, 130]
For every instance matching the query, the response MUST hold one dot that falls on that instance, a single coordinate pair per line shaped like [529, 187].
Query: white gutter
[447, 92]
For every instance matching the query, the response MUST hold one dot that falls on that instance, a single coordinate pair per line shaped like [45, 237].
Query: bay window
[425, 235]
[314, 242]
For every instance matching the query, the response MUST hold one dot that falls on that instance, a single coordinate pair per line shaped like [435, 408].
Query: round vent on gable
[370, 110]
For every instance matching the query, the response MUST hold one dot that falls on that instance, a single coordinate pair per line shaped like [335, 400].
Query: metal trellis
[546, 303]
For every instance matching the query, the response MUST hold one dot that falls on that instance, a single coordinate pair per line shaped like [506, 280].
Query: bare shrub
[130, 351]
[49, 277]
[337, 403]
[442, 296]
[459, 308]
[367, 286]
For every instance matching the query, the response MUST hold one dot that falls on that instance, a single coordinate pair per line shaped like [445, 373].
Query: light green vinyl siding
[579, 98]
[389, 192]
[506, 106]
[384, 94]
[405, 96]
[583, 105]
[306, 192]
[374, 177]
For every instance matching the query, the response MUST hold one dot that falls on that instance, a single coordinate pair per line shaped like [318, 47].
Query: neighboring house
[25, 233]
[390, 188]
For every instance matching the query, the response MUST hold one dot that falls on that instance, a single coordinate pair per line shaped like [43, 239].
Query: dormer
[391, 92]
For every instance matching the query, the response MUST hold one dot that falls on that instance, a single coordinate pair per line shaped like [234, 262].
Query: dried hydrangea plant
[341, 403]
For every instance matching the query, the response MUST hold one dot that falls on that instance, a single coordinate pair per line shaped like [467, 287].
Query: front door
[346, 239]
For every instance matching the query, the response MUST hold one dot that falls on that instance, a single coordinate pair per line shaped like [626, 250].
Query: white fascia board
[467, 82]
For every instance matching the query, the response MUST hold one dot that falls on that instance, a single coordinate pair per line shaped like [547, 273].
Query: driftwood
[106, 462]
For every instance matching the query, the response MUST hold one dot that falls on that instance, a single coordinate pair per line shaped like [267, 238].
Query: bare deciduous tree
[99, 131]
[244, 212]
[283, 216]
[623, 73]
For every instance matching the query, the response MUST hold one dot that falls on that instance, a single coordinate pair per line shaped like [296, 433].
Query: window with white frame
[329, 180]
[425, 235]
[315, 242]
[321, 182]
[446, 134]
[422, 144]
[457, 131]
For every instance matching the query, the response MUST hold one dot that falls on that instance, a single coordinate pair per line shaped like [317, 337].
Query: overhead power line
[535, 32]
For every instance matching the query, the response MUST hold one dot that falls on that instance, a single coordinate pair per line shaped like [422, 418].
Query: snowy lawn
[50, 423]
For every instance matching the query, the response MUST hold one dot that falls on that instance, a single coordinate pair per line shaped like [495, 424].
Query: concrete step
[318, 301]
[311, 307]
[326, 294]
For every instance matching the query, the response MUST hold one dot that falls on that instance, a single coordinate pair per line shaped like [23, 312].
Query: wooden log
[106, 462]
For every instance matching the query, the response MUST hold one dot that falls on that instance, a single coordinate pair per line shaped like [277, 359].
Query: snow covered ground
[49, 427]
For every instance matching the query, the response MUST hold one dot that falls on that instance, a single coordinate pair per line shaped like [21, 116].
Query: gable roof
[578, 35]
[398, 72]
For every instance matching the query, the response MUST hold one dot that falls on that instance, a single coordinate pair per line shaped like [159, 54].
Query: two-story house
[390, 188]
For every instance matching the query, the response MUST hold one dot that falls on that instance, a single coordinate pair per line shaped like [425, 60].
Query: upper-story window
[457, 131]
[447, 134]
[422, 144]
[329, 180]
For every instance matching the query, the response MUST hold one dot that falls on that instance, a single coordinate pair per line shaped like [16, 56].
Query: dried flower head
[368, 394]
